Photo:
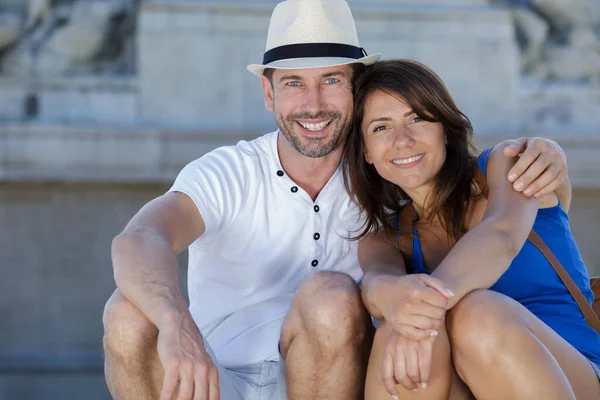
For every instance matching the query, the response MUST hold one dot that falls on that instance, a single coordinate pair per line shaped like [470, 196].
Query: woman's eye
[379, 128]
[417, 119]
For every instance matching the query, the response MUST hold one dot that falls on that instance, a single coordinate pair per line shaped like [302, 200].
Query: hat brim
[316, 62]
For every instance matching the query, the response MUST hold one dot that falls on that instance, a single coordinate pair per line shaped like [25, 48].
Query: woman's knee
[328, 305]
[127, 330]
[481, 326]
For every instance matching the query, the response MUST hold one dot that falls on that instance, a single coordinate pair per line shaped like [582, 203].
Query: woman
[467, 307]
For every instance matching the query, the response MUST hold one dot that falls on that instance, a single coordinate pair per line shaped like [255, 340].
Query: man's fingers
[521, 173]
[533, 170]
[186, 388]
[201, 384]
[546, 178]
[170, 382]
[213, 385]
[516, 147]
[526, 158]
[553, 186]
[436, 284]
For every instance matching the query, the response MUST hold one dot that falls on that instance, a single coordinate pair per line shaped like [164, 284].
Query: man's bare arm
[144, 255]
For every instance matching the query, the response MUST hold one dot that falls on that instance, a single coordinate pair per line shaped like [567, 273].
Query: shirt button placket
[317, 237]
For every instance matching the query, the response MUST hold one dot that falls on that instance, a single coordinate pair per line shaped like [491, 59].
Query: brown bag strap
[535, 239]
[584, 306]
[406, 219]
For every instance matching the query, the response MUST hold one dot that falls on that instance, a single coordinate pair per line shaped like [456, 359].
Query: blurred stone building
[102, 102]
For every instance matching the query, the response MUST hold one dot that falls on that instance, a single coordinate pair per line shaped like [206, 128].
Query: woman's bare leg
[503, 351]
[440, 383]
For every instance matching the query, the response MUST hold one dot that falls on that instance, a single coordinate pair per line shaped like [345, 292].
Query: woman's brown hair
[380, 200]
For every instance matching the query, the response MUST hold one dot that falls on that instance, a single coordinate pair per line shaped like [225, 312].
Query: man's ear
[267, 88]
[368, 158]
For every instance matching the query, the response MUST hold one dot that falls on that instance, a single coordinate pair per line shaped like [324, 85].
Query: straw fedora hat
[312, 34]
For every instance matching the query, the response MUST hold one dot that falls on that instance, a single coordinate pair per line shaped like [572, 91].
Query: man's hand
[414, 305]
[542, 166]
[406, 362]
[190, 373]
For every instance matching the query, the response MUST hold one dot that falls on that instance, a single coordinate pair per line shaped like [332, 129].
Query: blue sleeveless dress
[531, 280]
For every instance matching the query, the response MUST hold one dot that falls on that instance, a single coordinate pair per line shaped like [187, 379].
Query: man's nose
[313, 100]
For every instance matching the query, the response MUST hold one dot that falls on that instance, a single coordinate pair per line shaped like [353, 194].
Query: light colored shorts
[263, 381]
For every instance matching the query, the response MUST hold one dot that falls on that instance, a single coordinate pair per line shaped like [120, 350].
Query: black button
[294, 189]
[316, 208]
[314, 263]
[316, 236]
[280, 173]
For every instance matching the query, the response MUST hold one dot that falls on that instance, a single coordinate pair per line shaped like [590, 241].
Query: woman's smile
[408, 162]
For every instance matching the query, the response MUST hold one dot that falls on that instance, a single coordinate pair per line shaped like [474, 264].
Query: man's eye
[331, 81]
[293, 83]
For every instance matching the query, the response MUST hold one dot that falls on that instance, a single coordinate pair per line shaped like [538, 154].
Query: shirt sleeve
[216, 183]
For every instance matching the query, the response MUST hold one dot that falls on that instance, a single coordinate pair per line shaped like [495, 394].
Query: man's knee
[127, 331]
[328, 307]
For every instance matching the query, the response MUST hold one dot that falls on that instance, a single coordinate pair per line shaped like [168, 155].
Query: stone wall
[55, 254]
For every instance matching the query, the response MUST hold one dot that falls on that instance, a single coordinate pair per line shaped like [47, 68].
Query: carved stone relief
[560, 38]
[43, 38]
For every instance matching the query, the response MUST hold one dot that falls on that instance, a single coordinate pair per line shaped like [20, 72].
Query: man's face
[313, 107]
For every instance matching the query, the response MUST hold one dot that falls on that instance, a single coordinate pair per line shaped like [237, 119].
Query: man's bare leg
[325, 339]
[132, 367]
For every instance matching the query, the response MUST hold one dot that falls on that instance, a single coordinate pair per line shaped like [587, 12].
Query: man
[272, 280]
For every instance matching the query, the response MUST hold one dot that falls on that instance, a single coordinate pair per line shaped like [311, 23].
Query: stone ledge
[34, 152]
[84, 82]
[89, 99]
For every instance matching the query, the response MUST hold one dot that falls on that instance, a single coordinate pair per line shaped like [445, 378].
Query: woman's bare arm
[484, 253]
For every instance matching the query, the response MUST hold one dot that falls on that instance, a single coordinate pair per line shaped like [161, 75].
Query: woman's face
[404, 149]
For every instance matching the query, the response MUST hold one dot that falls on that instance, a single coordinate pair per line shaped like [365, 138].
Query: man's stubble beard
[315, 147]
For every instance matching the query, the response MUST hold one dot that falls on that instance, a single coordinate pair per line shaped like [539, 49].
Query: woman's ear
[368, 158]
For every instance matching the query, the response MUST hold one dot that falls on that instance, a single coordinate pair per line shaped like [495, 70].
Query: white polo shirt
[264, 236]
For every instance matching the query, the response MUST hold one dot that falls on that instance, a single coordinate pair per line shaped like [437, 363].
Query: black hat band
[309, 50]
